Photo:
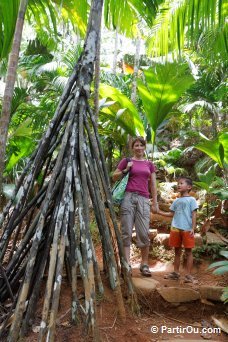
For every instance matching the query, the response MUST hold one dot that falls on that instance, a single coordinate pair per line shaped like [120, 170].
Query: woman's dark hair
[141, 139]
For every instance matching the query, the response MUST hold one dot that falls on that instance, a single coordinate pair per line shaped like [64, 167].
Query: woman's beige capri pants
[135, 211]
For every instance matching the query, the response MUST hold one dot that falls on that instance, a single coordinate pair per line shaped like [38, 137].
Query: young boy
[183, 211]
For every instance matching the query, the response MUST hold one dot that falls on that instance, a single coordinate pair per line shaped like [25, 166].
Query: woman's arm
[153, 192]
[118, 174]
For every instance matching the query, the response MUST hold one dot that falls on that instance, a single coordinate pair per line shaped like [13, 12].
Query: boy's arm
[193, 222]
[166, 213]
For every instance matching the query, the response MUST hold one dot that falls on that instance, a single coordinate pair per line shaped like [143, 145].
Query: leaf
[208, 176]
[218, 263]
[213, 149]
[202, 185]
[164, 84]
[8, 17]
[129, 118]
[23, 130]
[221, 193]
[224, 253]
[221, 270]
[24, 147]
[223, 139]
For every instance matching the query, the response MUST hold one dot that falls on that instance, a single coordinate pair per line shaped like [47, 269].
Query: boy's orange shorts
[179, 238]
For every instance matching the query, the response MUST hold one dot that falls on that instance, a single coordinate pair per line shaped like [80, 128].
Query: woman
[135, 208]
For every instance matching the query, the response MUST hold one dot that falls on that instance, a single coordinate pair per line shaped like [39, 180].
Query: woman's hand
[129, 165]
[154, 208]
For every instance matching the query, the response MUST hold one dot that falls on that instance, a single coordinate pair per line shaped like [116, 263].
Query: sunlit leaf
[129, 117]
[164, 84]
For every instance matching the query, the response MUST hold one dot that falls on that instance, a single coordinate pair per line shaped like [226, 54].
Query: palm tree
[14, 56]
[10, 80]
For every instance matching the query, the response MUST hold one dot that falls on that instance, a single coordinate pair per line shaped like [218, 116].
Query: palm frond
[189, 19]
[125, 15]
[8, 17]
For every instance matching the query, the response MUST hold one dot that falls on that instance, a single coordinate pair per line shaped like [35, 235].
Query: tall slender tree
[9, 88]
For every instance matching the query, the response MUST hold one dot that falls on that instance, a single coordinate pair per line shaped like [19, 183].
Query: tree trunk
[136, 69]
[134, 81]
[97, 78]
[9, 88]
[115, 52]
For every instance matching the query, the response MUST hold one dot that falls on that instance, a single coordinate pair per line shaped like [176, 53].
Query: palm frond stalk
[70, 160]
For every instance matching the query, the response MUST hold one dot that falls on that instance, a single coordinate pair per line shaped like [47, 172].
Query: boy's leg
[177, 259]
[189, 261]
[175, 240]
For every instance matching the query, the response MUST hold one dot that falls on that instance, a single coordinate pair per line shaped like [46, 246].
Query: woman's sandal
[145, 271]
[172, 276]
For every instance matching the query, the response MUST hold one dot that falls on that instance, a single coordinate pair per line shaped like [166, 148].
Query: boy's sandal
[190, 279]
[172, 276]
[144, 269]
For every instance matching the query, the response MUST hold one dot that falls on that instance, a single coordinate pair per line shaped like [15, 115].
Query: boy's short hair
[188, 180]
[141, 139]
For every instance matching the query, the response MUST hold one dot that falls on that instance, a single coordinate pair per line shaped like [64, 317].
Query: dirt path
[159, 319]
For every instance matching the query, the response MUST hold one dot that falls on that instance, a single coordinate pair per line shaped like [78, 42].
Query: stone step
[177, 294]
[145, 285]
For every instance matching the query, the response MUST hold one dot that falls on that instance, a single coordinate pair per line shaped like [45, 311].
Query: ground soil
[155, 313]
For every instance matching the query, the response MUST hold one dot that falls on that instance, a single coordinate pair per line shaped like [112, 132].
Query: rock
[178, 294]
[198, 240]
[211, 292]
[213, 238]
[152, 233]
[145, 285]
[162, 239]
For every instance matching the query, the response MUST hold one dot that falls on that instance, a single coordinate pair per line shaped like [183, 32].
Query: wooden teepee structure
[55, 221]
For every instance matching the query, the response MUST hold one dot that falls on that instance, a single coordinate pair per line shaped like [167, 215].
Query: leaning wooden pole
[75, 181]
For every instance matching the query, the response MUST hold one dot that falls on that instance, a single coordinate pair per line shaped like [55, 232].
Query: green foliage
[164, 84]
[221, 267]
[167, 162]
[216, 149]
[212, 183]
[21, 144]
[187, 23]
[120, 110]
[125, 15]
[8, 17]
[211, 251]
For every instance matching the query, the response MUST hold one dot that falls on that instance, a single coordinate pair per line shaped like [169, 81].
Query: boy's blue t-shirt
[183, 208]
